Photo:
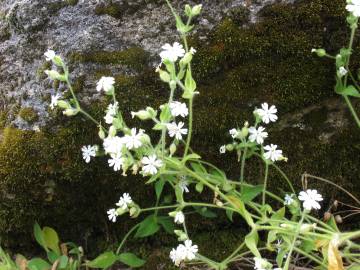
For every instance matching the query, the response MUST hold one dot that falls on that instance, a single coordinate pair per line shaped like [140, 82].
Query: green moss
[72, 2]
[134, 57]
[3, 119]
[113, 10]
[40, 72]
[28, 114]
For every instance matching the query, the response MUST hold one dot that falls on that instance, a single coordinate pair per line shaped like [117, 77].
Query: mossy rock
[29, 114]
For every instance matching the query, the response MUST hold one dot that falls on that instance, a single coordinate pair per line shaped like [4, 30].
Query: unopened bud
[196, 10]
[164, 76]
[70, 112]
[229, 147]
[319, 52]
[63, 104]
[142, 115]
[327, 216]
[186, 59]
[58, 61]
[338, 219]
[172, 149]
[244, 132]
[54, 75]
[145, 139]
[172, 85]
[188, 10]
[101, 133]
[112, 131]
[173, 214]
[120, 211]
[151, 112]
[134, 211]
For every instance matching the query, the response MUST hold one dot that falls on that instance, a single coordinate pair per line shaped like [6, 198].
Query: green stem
[352, 110]
[288, 259]
[188, 139]
[265, 183]
[159, 208]
[126, 237]
[232, 255]
[243, 160]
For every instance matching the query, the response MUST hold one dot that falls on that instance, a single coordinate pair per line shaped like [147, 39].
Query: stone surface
[29, 27]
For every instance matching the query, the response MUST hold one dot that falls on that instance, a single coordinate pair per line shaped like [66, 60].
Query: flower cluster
[183, 252]
[254, 136]
[124, 204]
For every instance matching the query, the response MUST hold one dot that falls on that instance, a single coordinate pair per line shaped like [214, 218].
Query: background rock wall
[248, 52]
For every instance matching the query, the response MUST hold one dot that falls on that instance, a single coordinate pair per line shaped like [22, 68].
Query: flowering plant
[285, 232]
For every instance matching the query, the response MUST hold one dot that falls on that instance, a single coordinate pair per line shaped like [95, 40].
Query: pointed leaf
[104, 260]
[148, 226]
[38, 264]
[51, 239]
[251, 241]
[131, 260]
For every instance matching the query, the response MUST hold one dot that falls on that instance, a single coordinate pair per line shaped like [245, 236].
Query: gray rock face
[29, 27]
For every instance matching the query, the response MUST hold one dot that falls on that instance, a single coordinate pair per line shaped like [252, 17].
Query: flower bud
[172, 85]
[120, 211]
[164, 76]
[63, 104]
[112, 131]
[58, 61]
[338, 219]
[145, 139]
[142, 115]
[54, 75]
[244, 132]
[188, 10]
[327, 216]
[186, 59]
[196, 10]
[101, 133]
[134, 211]
[70, 112]
[151, 112]
[319, 52]
[172, 149]
[173, 214]
[229, 147]
[307, 227]
[181, 235]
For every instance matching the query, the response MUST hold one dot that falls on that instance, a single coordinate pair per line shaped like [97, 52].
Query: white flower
[49, 55]
[310, 199]
[176, 130]
[112, 215]
[288, 199]
[54, 100]
[116, 161]
[179, 217]
[267, 114]
[190, 250]
[234, 133]
[113, 108]
[354, 7]
[183, 184]
[113, 145]
[133, 140]
[105, 83]
[88, 152]
[151, 164]
[257, 135]
[222, 149]
[342, 71]
[172, 53]
[192, 51]
[260, 263]
[109, 118]
[124, 201]
[178, 255]
[272, 153]
[177, 108]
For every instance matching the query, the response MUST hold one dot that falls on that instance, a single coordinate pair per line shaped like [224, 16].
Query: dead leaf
[334, 258]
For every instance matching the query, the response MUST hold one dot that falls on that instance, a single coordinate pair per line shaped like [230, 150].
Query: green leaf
[199, 187]
[51, 239]
[104, 260]
[190, 83]
[158, 126]
[52, 256]
[277, 217]
[229, 214]
[249, 193]
[38, 264]
[131, 260]
[348, 91]
[179, 194]
[239, 205]
[167, 223]
[251, 241]
[63, 261]
[39, 236]
[165, 114]
[148, 226]
[190, 157]
[332, 223]
[205, 212]
[354, 267]
[308, 245]
[197, 167]
[159, 186]
[152, 179]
